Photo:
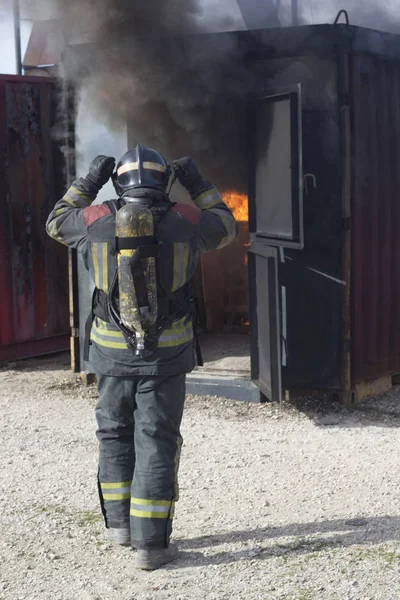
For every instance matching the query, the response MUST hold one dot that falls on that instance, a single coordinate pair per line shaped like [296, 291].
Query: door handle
[306, 177]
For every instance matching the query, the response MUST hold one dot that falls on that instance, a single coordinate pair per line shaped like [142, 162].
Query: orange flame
[238, 204]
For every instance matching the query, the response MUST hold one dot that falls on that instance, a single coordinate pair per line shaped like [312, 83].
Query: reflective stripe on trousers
[139, 436]
[116, 490]
[152, 509]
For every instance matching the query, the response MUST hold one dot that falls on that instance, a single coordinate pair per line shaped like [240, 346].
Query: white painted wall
[7, 41]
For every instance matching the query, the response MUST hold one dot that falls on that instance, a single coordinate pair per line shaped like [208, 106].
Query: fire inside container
[225, 276]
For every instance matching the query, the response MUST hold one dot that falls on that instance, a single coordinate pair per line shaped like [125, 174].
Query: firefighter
[141, 251]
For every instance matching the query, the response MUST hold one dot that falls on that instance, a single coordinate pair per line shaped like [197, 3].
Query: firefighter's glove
[100, 171]
[188, 174]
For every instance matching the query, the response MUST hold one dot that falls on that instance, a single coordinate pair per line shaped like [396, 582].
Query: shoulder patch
[191, 213]
[95, 212]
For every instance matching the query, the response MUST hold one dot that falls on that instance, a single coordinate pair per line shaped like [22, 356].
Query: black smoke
[154, 65]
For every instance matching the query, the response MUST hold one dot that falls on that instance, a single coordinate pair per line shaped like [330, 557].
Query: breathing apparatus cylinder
[137, 275]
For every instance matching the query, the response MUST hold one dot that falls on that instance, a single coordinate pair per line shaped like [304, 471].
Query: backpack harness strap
[171, 306]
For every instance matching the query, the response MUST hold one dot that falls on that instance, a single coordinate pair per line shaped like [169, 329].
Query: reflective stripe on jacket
[185, 231]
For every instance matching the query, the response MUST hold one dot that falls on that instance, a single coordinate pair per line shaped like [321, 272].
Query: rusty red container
[33, 269]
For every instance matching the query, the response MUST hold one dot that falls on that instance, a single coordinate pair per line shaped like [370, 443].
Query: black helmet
[141, 168]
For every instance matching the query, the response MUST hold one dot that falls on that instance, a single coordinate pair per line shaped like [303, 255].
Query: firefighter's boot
[154, 558]
[118, 536]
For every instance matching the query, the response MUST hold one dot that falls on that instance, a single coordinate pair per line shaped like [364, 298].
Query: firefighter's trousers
[139, 434]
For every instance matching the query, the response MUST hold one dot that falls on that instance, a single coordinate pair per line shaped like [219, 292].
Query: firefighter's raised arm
[217, 225]
[66, 222]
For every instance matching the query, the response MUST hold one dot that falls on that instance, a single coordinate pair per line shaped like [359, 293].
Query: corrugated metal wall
[33, 268]
[375, 122]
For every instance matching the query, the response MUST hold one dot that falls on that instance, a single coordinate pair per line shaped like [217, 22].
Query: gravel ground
[301, 503]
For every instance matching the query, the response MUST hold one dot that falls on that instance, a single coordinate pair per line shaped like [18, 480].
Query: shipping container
[34, 315]
[319, 122]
